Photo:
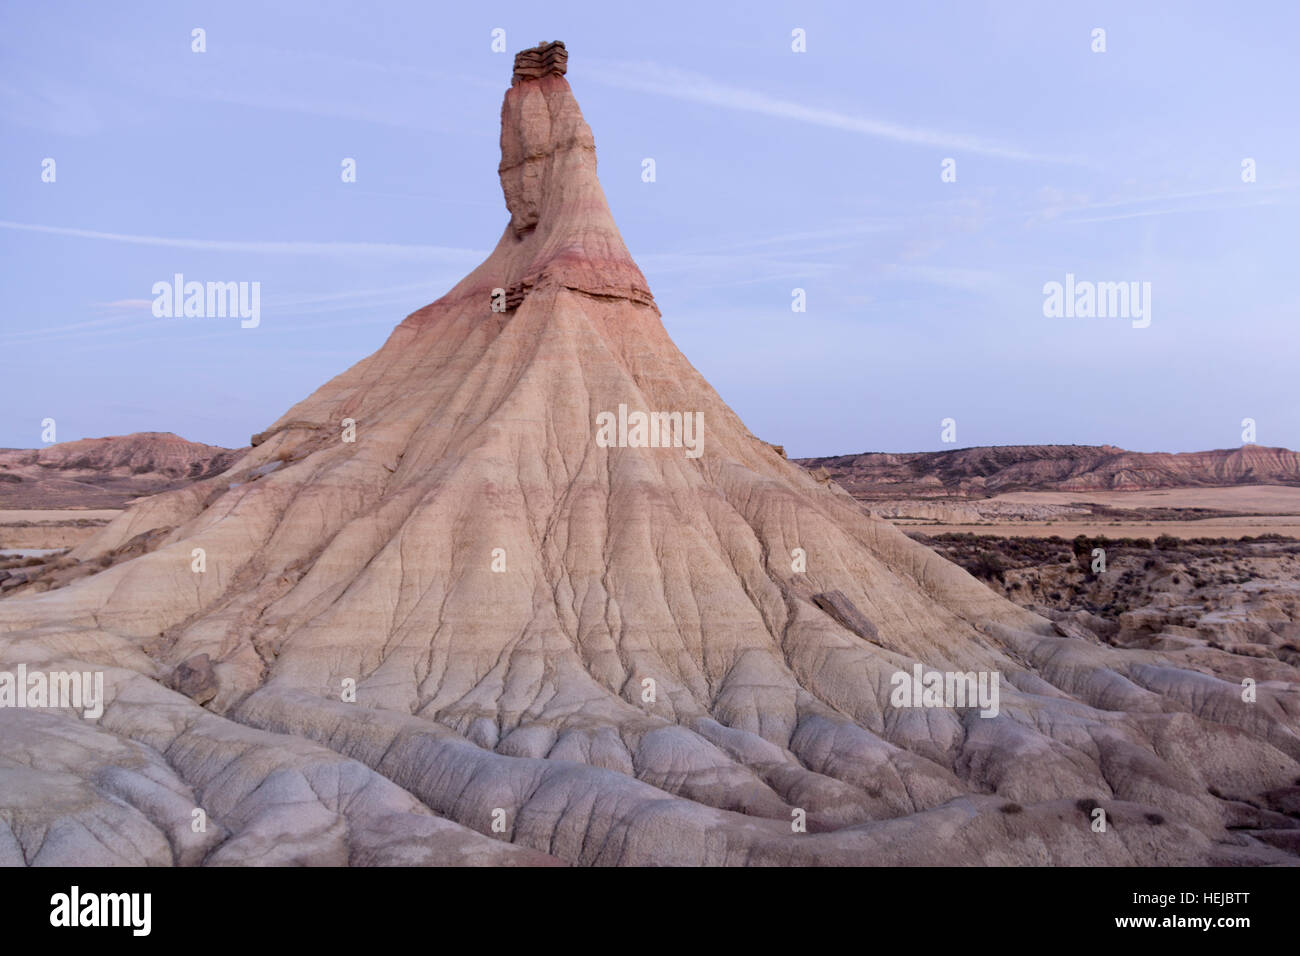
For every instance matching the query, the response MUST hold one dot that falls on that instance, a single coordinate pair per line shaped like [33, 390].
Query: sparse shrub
[988, 566]
[1155, 819]
[1011, 808]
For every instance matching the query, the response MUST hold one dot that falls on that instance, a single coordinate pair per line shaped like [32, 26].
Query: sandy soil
[1262, 499]
[14, 515]
[1253, 525]
[1244, 510]
[29, 528]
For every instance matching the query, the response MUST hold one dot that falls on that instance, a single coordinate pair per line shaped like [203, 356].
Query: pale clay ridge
[978, 472]
[521, 690]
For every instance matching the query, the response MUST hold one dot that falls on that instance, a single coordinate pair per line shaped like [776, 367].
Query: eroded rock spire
[560, 224]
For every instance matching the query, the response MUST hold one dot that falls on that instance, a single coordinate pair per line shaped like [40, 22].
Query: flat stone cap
[539, 61]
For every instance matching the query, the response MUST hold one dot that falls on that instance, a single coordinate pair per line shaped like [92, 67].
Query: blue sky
[774, 170]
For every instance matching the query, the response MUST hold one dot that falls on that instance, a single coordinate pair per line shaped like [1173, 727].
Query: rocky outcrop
[195, 678]
[847, 615]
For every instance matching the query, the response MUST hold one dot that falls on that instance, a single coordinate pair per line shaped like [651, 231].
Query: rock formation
[495, 628]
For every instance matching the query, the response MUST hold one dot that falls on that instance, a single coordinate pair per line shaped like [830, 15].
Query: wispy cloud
[663, 263]
[1072, 209]
[126, 305]
[729, 261]
[966, 280]
[91, 326]
[1171, 211]
[45, 105]
[429, 290]
[298, 248]
[129, 318]
[316, 61]
[686, 85]
[798, 240]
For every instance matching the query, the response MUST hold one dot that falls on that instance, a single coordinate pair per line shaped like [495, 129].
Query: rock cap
[539, 61]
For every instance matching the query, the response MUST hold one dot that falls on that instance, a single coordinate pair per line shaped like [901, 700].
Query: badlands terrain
[438, 613]
[1198, 554]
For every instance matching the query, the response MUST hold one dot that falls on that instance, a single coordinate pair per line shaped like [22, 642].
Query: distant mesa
[985, 471]
[105, 472]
